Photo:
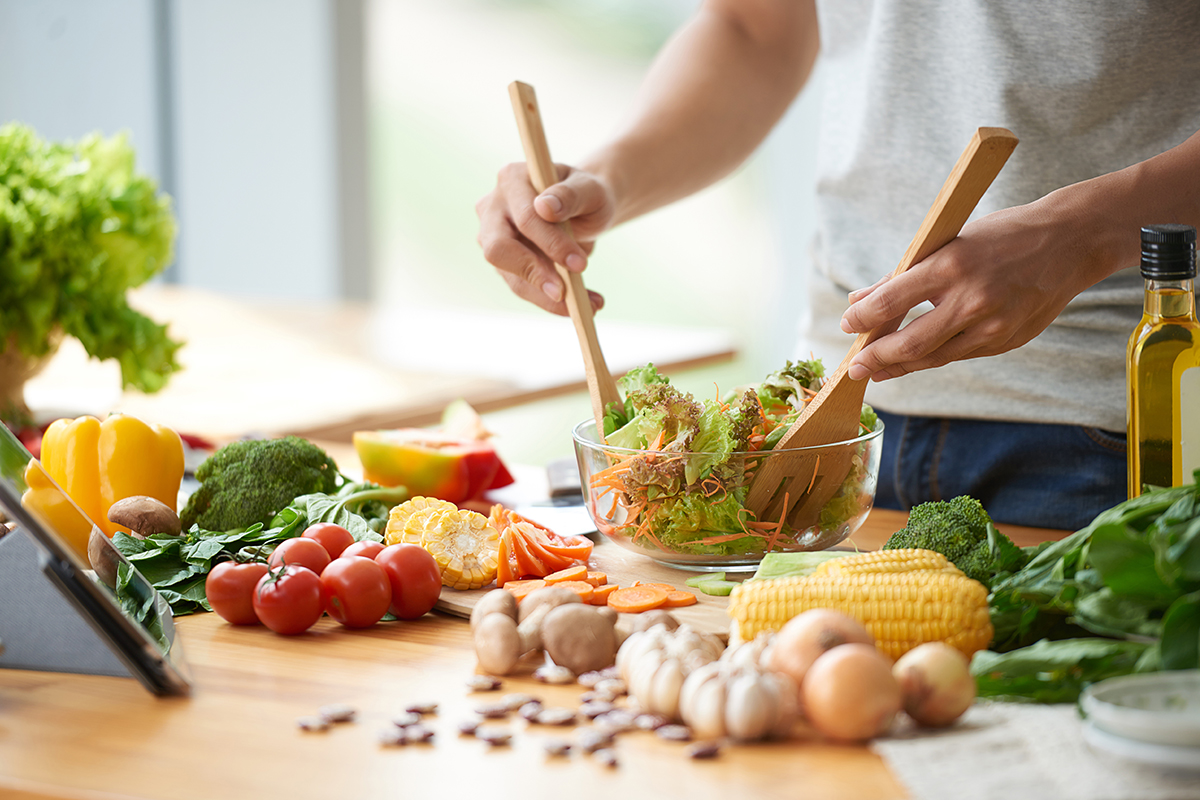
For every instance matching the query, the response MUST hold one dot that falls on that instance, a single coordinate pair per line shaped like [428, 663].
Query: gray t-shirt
[1088, 87]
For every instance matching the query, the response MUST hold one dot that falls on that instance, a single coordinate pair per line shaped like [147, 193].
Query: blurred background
[325, 157]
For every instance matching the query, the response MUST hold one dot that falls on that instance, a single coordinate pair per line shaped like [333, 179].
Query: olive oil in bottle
[1163, 364]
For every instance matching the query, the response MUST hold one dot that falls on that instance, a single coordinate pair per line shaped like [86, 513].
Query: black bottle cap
[1168, 252]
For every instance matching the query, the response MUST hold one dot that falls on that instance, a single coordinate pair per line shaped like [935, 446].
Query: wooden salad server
[796, 487]
[543, 174]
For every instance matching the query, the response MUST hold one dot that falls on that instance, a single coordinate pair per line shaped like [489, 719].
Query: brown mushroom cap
[144, 516]
[498, 645]
[103, 557]
[549, 596]
[580, 638]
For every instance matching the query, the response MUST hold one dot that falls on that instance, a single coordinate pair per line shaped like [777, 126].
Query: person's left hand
[994, 288]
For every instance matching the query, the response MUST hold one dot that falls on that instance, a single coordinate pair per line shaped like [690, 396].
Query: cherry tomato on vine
[364, 548]
[230, 591]
[289, 599]
[415, 578]
[305, 552]
[334, 538]
[357, 591]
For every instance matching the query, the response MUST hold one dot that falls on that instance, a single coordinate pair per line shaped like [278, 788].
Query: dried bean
[406, 719]
[312, 723]
[614, 686]
[468, 727]
[422, 708]
[553, 673]
[492, 710]
[392, 737]
[483, 683]
[595, 709]
[675, 733]
[591, 739]
[650, 722]
[337, 712]
[704, 750]
[615, 721]
[556, 716]
[417, 734]
[606, 757]
[515, 701]
[494, 736]
[557, 746]
[529, 711]
[588, 680]
[610, 672]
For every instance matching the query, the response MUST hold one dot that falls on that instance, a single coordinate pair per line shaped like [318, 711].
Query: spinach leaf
[1181, 633]
[1053, 672]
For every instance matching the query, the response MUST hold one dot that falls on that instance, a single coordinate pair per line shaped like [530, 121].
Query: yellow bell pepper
[55, 509]
[98, 463]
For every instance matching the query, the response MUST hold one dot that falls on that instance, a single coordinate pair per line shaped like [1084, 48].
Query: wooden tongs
[542, 174]
[795, 486]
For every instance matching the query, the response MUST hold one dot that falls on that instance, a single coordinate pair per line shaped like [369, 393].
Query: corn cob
[900, 609]
[401, 514]
[911, 560]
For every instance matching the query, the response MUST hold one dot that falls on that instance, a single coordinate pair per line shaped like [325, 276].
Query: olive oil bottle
[1163, 364]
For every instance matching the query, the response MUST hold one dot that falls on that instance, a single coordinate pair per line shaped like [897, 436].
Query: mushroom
[144, 516]
[500, 640]
[103, 557]
[579, 637]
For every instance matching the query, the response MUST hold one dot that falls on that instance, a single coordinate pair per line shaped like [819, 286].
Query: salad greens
[1119, 596]
[78, 227]
[687, 495]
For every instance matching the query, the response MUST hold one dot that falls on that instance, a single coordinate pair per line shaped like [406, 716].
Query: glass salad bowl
[686, 510]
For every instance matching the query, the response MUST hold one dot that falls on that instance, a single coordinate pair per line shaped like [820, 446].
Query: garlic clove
[748, 713]
[704, 710]
[664, 691]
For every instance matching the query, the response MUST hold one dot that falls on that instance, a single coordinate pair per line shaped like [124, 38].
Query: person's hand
[520, 234]
[993, 289]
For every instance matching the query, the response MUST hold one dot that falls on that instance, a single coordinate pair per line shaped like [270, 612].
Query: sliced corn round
[400, 515]
[463, 543]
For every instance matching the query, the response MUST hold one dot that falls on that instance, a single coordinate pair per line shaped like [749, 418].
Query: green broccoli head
[250, 481]
[961, 530]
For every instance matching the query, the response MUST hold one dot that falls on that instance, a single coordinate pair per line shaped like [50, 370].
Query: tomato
[289, 599]
[230, 591]
[367, 549]
[430, 463]
[357, 591]
[415, 578]
[305, 552]
[334, 538]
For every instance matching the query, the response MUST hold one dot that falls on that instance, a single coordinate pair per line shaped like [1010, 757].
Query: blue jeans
[1047, 476]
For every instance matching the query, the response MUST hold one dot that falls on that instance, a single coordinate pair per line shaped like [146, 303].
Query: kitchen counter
[85, 737]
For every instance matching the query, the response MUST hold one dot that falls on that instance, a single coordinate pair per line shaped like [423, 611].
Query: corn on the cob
[900, 609]
[464, 545]
[911, 560]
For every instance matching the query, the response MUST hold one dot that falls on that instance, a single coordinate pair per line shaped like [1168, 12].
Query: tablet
[140, 631]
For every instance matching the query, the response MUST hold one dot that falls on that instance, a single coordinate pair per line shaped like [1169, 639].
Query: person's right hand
[520, 233]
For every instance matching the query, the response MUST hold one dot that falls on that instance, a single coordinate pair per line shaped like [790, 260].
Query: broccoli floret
[250, 481]
[961, 530]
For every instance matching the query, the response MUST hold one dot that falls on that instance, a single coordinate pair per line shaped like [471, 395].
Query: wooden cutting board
[624, 567]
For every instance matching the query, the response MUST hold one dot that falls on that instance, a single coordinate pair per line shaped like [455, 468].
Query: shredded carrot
[728, 537]
[814, 477]
[635, 599]
[679, 599]
[779, 527]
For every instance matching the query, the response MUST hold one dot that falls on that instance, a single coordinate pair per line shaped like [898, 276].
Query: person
[1006, 378]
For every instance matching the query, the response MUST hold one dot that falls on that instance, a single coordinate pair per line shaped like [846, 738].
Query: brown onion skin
[937, 684]
[809, 635]
[850, 694]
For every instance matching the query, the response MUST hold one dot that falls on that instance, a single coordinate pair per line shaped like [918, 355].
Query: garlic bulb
[742, 702]
[655, 663]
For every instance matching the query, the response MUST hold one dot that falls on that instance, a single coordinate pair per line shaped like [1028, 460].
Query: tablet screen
[137, 623]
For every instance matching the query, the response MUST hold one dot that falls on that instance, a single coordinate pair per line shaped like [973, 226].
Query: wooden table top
[94, 738]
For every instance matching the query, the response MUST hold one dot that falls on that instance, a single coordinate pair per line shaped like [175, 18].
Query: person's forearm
[710, 98]
[1111, 208]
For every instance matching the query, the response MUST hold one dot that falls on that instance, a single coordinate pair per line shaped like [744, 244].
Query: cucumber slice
[708, 576]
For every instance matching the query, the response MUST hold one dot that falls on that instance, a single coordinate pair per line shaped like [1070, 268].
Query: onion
[807, 636]
[849, 693]
[937, 683]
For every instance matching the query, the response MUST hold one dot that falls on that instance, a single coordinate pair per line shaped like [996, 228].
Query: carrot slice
[521, 588]
[635, 599]
[665, 586]
[600, 593]
[506, 563]
[581, 588]
[680, 599]
[576, 573]
[596, 578]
